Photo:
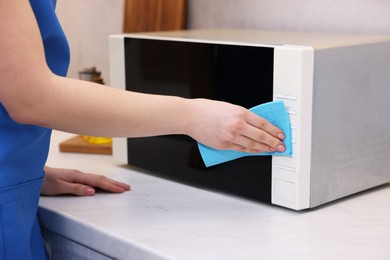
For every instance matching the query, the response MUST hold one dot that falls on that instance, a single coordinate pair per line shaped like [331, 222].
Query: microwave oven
[336, 89]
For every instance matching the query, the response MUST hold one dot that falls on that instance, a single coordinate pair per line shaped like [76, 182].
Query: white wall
[88, 23]
[366, 16]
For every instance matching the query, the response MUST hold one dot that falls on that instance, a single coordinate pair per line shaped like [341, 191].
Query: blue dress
[23, 153]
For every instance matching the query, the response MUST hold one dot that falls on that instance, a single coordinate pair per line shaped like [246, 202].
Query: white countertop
[160, 219]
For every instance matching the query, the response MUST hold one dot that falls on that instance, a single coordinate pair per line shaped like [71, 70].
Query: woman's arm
[32, 94]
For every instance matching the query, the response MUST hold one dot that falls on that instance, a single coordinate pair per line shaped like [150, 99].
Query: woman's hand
[65, 181]
[230, 127]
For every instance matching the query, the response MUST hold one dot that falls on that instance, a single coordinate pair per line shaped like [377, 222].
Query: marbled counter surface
[160, 219]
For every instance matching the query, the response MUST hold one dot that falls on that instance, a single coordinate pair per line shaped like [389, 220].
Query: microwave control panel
[293, 84]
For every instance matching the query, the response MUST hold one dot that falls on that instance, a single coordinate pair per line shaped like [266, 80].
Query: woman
[35, 97]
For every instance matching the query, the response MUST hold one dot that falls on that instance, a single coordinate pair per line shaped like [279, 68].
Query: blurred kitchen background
[88, 23]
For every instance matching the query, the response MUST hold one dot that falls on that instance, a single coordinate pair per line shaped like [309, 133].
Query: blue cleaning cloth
[275, 112]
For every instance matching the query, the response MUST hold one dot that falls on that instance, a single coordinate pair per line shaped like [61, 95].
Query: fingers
[66, 181]
[265, 125]
[76, 189]
[261, 135]
[88, 189]
[245, 144]
[98, 181]
[260, 139]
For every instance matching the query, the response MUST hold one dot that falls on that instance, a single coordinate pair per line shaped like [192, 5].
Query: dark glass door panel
[241, 75]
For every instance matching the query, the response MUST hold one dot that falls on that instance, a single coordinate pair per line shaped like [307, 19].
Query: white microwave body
[336, 88]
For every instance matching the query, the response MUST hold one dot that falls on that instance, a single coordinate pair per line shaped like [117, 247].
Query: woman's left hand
[66, 181]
